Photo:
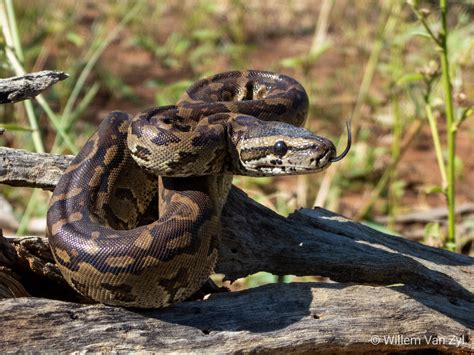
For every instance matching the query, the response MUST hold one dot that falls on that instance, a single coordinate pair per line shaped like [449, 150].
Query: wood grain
[300, 317]
[386, 286]
[24, 87]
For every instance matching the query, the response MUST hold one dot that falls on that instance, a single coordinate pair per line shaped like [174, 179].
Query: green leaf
[463, 115]
[14, 127]
[205, 35]
[421, 34]
[458, 166]
[144, 42]
[469, 111]
[431, 189]
[409, 78]
[432, 230]
[75, 39]
[451, 246]
[259, 279]
[293, 62]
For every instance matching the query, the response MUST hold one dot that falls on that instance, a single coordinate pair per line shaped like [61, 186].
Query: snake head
[277, 148]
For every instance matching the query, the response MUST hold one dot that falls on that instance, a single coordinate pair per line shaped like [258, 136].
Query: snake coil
[135, 219]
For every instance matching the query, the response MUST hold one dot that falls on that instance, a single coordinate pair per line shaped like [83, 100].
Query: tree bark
[296, 318]
[24, 87]
[407, 292]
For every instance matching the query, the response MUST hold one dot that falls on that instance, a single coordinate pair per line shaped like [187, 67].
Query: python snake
[135, 219]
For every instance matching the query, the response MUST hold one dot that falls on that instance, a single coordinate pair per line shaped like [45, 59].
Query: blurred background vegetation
[369, 59]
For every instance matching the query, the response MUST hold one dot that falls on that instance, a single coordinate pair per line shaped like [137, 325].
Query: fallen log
[27, 86]
[300, 317]
[406, 293]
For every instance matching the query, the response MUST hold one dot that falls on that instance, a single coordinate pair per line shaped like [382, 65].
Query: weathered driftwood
[24, 87]
[22, 168]
[408, 290]
[302, 317]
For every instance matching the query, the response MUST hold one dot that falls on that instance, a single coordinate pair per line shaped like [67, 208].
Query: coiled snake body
[135, 219]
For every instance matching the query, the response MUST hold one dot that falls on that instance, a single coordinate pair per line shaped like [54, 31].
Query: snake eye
[280, 148]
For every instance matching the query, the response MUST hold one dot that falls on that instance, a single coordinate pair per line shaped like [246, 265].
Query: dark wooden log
[407, 292]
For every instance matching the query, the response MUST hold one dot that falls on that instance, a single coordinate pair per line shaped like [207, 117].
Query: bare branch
[24, 87]
[408, 289]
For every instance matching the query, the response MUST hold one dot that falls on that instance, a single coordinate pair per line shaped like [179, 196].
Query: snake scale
[135, 219]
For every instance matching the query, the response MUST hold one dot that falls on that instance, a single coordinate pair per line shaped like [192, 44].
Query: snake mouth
[308, 166]
[308, 162]
[327, 158]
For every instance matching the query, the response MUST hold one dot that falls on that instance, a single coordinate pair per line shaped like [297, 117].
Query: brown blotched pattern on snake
[135, 219]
